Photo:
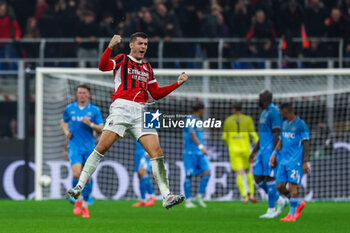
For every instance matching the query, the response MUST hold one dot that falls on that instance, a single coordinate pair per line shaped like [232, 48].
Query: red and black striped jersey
[131, 78]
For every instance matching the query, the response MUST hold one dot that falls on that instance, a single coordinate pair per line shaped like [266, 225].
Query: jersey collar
[134, 59]
[86, 106]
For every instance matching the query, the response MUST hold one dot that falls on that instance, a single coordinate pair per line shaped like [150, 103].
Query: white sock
[80, 198]
[85, 204]
[270, 210]
[89, 168]
[160, 175]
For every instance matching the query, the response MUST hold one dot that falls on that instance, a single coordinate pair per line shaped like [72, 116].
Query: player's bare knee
[102, 148]
[76, 174]
[156, 152]
[141, 172]
[281, 187]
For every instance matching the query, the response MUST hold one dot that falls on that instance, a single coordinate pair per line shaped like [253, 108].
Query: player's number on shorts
[295, 175]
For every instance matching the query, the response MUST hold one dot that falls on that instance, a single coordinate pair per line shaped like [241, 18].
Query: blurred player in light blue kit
[142, 165]
[269, 130]
[80, 120]
[195, 157]
[292, 162]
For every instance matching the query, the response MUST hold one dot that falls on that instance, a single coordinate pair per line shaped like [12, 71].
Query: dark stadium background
[44, 33]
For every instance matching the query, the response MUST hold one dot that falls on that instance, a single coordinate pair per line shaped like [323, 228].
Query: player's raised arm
[106, 64]
[160, 92]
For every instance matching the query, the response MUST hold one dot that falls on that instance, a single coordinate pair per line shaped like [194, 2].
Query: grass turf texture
[118, 216]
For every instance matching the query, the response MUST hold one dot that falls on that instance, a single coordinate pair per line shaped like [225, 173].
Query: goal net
[320, 97]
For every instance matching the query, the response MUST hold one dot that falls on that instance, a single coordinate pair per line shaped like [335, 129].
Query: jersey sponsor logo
[288, 135]
[138, 75]
[77, 118]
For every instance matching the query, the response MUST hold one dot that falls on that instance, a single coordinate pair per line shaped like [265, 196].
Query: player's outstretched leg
[89, 168]
[161, 176]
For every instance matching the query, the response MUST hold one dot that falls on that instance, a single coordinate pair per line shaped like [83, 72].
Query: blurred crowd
[258, 22]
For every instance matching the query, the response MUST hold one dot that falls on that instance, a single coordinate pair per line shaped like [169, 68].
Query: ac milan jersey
[131, 78]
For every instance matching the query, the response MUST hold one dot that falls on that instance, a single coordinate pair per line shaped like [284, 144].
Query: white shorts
[126, 115]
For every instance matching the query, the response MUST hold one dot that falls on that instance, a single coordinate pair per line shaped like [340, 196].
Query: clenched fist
[115, 40]
[182, 78]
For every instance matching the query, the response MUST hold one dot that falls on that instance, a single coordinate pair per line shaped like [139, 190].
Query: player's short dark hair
[266, 95]
[138, 34]
[197, 106]
[288, 106]
[237, 106]
[83, 86]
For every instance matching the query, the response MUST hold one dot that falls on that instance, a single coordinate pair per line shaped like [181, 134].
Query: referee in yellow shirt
[238, 128]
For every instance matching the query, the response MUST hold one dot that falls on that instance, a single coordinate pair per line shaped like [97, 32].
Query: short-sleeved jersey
[270, 119]
[82, 138]
[191, 126]
[131, 78]
[237, 132]
[293, 133]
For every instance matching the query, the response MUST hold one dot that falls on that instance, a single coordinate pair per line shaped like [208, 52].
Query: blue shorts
[289, 173]
[195, 164]
[142, 161]
[78, 156]
[262, 165]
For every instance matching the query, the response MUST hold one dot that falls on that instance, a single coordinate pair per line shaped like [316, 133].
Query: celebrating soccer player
[238, 128]
[195, 157]
[269, 130]
[142, 165]
[133, 79]
[79, 121]
[292, 162]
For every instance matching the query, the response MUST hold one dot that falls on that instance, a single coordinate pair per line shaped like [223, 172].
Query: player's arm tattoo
[306, 144]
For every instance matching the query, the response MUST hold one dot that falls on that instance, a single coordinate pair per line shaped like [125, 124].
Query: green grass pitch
[118, 216]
